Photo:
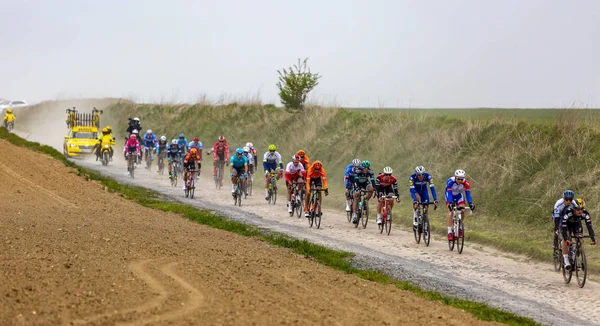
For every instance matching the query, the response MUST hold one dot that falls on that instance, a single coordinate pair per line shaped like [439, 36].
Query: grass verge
[339, 260]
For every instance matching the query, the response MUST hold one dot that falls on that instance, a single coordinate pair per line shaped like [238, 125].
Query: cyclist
[559, 208]
[173, 154]
[418, 187]
[571, 223]
[190, 164]
[220, 154]
[149, 144]
[9, 117]
[197, 144]
[137, 136]
[239, 168]
[161, 148]
[363, 179]
[316, 174]
[454, 193]
[254, 157]
[250, 156]
[303, 158]
[385, 184]
[351, 167]
[132, 146]
[293, 173]
[183, 144]
[271, 162]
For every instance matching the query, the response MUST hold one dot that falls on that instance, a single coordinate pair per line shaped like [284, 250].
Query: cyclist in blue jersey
[271, 162]
[351, 167]
[149, 144]
[418, 186]
[238, 168]
[183, 144]
[455, 186]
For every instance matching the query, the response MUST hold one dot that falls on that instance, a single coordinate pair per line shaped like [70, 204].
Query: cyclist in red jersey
[220, 153]
[385, 184]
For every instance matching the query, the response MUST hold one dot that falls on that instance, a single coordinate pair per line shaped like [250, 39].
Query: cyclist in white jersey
[293, 173]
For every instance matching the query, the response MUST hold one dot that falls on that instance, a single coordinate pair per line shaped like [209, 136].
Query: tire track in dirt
[193, 300]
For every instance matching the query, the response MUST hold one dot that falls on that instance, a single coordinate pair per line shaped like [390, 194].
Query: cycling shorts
[459, 199]
[238, 171]
[424, 196]
[386, 190]
[574, 228]
[289, 178]
[317, 182]
[362, 186]
[220, 156]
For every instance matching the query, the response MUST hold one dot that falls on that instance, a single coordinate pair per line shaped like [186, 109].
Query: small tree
[295, 84]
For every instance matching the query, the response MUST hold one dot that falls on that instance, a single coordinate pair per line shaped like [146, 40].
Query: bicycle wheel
[249, 185]
[300, 207]
[383, 221]
[580, 267]
[274, 194]
[558, 259]
[388, 221]
[192, 193]
[358, 215]
[417, 231]
[451, 243]
[131, 169]
[426, 230]
[311, 217]
[460, 241]
[567, 274]
[317, 213]
[365, 217]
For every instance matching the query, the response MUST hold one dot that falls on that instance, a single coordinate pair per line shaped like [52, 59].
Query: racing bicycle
[423, 227]
[362, 213]
[174, 173]
[273, 188]
[219, 174]
[386, 216]
[314, 206]
[578, 261]
[190, 184]
[458, 229]
[131, 160]
[297, 198]
[161, 163]
[239, 191]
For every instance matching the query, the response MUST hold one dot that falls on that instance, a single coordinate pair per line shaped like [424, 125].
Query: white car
[4, 104]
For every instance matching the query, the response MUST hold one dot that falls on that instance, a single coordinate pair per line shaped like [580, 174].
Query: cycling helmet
[149, 131]
[578, 203]
[569, 194]
[181, 135]
[193, 151]
[317, 165]
[163, 138]
[196, 139]
[221, 138]
[174, 142]
[239, 151]
[132, 137]
[134, 131]
[272, 147]
[301, 152]
[460, 173]
[420, 170]
[136, 119]
[366, 164]
[356, 162]
[105, 130]
[387, 170]
[249, 144]
[246, 149]
[296, 158]
[8, 111]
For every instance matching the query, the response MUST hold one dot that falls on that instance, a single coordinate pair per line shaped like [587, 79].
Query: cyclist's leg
[267, 180]
[348, 195]
[234, 179]
[307, 197]
[369, 191]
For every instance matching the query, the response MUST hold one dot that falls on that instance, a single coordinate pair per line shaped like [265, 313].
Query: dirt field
[73, 253]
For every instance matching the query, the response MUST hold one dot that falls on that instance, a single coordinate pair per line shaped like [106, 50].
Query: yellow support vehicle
[80, 141]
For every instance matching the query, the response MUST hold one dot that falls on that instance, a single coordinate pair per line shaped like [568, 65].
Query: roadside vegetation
[335, 259]
[518, 161]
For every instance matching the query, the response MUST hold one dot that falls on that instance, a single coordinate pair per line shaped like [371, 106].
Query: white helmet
[136, 119]
[246, 149]
[249, 144]
[149, 131]
[163, 138]
[460, 173]
[387, 170]
[356, 162]
[174, 142]
[420, 170]
[134, 131]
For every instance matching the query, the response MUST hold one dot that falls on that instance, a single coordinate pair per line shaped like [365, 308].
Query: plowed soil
[73, 253]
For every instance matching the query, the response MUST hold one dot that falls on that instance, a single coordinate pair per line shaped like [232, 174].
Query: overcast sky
[395, 53]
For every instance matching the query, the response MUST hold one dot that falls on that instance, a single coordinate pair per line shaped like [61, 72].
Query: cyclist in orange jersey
[316, 175]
